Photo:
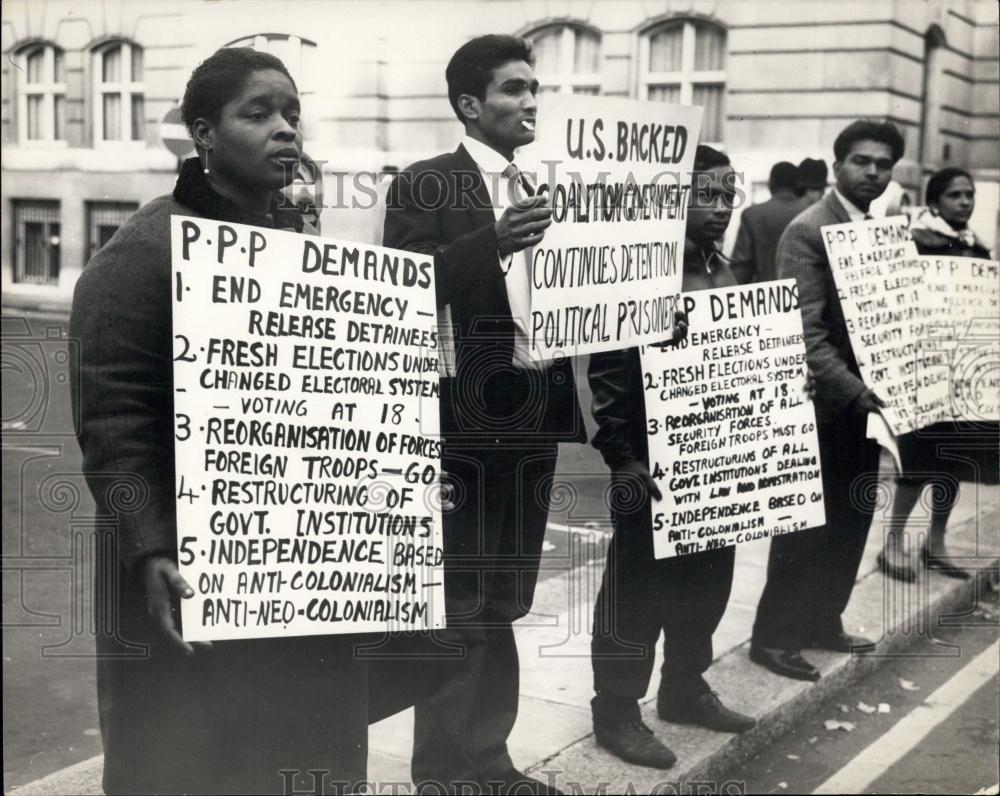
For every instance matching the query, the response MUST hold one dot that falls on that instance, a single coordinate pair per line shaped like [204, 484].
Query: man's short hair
[784, 177]
[812, 174]
[940, 180]
[706, 157]
[470, 69]
[869, 130]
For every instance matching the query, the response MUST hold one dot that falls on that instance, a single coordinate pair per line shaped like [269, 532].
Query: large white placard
[307, 440]
[967, 292]
[608, 272]
[732, 434]
[889, 317]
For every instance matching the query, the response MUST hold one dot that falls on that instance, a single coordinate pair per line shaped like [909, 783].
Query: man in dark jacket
[502, 414]
[641, 596]
[761, 227]
[810, 181]
[810, 574]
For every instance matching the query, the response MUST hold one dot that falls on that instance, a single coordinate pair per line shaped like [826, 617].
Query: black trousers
[811, 573]
[685, 597]
[492, 545]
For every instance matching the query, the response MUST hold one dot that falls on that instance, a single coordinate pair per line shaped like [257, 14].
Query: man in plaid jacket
[811, 573]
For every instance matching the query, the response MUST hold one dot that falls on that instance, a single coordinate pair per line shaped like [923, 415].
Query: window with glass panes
[567, 59]
[42, 94]
[103, 221]
[36, 242]
[119, 95]
[685, 62]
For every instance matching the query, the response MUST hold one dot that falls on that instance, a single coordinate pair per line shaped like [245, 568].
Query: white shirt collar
[854, 212]
[488, 159]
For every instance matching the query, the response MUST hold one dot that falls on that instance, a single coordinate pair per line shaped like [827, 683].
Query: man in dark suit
[502, 415]
[810, 183]
[761, 227]
[641, 596]
[810, 574]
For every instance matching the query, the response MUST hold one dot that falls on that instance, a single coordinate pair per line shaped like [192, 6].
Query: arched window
[41, 94]
[567, 59]
[684, 61]
[930, 115]
[297, 54]
[119, 96]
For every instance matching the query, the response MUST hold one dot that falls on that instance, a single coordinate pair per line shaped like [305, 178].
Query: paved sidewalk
[553, 735]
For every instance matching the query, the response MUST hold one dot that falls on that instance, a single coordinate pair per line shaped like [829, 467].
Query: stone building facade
[86, 85]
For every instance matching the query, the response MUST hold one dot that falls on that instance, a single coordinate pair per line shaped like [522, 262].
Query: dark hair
[220, 77]
[706, 157]
[471, 67]
[869, 130]
[811, 173]
[940, 180]
[784, 176]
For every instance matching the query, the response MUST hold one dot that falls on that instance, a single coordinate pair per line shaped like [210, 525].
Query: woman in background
[942, 229]
[944, 453]
[256, 716]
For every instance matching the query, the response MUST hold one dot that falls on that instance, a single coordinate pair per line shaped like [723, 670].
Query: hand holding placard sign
[732, 436]
[307, 449]
[607, 274]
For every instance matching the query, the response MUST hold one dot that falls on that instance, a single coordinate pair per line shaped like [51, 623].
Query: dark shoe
[787, 663]
[903, 572]
[943, 565]
[843, 642]
[635, 743]
[513, 781]
[705, 710]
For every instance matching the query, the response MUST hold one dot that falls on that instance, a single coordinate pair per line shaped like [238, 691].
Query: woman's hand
[163, 583]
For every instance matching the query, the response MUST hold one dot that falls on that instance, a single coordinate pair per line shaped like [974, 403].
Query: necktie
[518, 185]
[519, 188]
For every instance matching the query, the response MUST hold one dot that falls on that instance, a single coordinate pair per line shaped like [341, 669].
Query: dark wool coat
[229, 719]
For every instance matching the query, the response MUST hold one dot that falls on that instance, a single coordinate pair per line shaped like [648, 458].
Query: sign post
[174, 135]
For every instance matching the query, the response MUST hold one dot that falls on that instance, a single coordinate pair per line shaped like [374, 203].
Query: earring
[206, 169]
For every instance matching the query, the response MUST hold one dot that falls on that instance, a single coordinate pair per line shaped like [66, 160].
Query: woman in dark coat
[254, 716]
[931, 456]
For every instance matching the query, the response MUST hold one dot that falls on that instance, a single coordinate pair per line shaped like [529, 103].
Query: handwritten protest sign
[608, 272]
[307, 447]
[732, 435]
[880, 279]
[966, 292]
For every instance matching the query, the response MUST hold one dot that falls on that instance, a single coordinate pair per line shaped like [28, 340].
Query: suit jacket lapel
[479, 205]
[836, 208]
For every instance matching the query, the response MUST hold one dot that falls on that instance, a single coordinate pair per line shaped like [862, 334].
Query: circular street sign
[174, 134]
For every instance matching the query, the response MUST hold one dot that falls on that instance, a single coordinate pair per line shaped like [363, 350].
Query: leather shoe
[787, 663]
[903, 572]
[705, 710]
[843, 642]
[943, 565]
[635, 743]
